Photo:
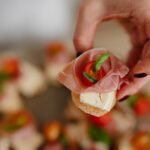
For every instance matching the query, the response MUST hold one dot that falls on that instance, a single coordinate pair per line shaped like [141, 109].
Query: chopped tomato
[141, 141]
[52, 131]
[16, 121]
[11, 66]
[142, 106]
[89, 69]
[54, 48]
[101, 121]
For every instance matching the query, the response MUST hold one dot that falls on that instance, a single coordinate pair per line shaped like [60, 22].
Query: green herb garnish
[132, 100]
[16, 125]
[89, 77]
[4, 76]
[99, 135]
[10, 127]
[64, 141]
[101, 59]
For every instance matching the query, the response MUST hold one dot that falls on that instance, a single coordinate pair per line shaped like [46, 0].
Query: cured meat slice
[94, 78]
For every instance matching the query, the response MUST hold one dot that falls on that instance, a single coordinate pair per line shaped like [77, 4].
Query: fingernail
[78, 54]
[124, 98]
[140, 75]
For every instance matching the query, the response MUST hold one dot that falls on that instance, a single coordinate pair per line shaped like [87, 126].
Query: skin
[134, 15]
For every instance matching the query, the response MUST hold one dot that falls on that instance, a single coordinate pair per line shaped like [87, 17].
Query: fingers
[140, 74]
[143, 66]
[134, 86]
[90, 14]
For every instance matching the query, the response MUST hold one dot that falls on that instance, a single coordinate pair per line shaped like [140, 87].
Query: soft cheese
[96, 104]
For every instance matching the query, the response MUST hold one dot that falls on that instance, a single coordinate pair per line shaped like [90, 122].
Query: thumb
[90, 14]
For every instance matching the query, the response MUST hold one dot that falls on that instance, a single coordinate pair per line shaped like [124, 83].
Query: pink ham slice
[114, 78]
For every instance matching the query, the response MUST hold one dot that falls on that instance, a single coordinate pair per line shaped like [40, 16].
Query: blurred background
[35, 110]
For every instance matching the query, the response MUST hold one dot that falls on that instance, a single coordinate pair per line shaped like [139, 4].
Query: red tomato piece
[141, 141]
[101, 121]
[54, 48]
[142, 107]
[90, 71]
[11, 66]
[52, 131]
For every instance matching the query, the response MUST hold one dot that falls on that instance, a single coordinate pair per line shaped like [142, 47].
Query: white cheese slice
[96, 104]
[103, 101]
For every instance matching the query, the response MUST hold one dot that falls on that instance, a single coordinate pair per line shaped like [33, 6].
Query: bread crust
[87, 108]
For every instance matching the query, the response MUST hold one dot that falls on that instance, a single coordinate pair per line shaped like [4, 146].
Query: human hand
[134, 15]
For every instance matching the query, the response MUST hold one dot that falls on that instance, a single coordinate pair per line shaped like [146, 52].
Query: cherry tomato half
[11, 66]
[90, 71]
[54, 48]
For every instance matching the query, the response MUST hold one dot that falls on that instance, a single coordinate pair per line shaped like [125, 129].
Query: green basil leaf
[10, 127]
[101, 59]
[89, 77]
[4, 76]
[99, 135]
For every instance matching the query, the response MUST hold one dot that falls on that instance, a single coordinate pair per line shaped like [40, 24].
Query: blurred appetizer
[27, 77]
[10, 100]
[57, 56]
[72, 113]
[94, 78]
[87, 137]
[31, 81]
[135, 141]
[20, 129]
[140, 105]
[52, 131]
[56, 137]
[77, 133]
[4, 143]
[78, 130]
[111, 121]
[100, 138]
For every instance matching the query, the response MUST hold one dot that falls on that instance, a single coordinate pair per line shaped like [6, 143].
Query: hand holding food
[128, 12]
[94, 78]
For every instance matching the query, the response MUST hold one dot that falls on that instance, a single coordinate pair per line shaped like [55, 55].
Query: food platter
[49, 104]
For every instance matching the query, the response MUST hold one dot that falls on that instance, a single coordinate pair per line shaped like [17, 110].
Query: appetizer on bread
[21, 131]
[28, 79]
[10, 100]
[94, 78]
[140, 140]
[57, 56]
[56, 138]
